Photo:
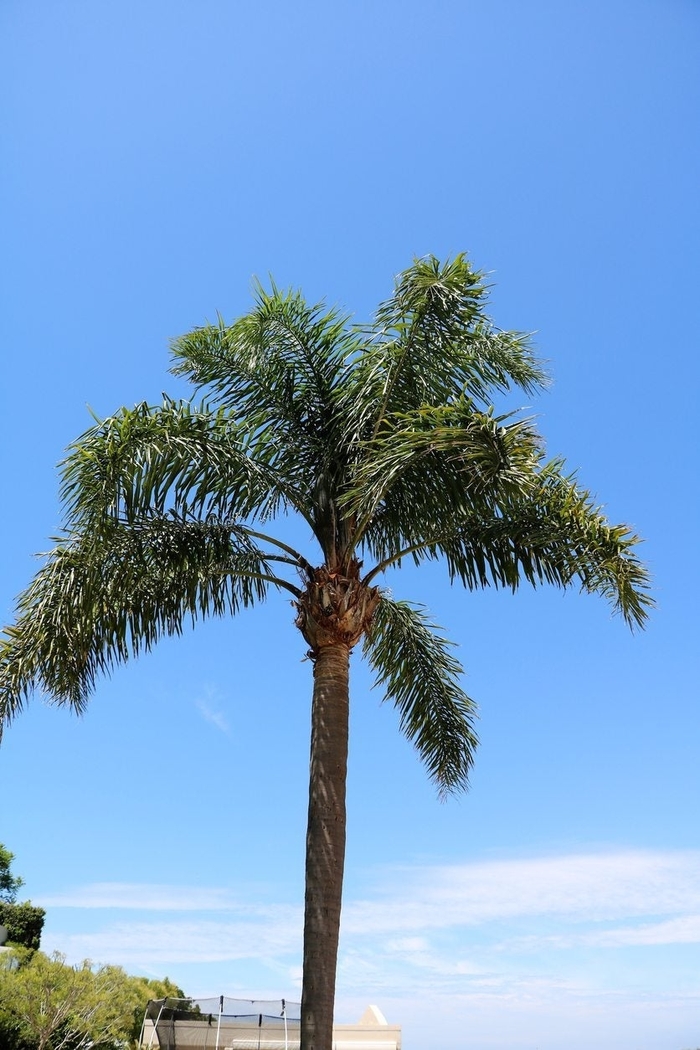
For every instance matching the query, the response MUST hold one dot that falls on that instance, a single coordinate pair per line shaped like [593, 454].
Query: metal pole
[143, 1025]
[218, 1024]
[155, 1026]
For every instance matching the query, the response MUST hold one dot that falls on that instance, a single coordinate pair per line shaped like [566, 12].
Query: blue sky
[159, 156]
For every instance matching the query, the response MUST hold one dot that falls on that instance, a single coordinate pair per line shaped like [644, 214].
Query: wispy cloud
[147, 944]
[213, 715]
[520, 938]
[683, 930]
[140, 897]
[580, 887]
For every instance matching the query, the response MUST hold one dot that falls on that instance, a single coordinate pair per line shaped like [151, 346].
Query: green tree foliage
[24, 923]
[49, 1005]
[151, 988]
[9, 883]
[385, 439]
[12, 1037]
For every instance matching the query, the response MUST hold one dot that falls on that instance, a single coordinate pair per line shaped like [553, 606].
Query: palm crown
[382, 438]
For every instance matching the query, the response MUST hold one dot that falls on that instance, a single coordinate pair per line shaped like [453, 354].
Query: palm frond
[283, 368]
[436, 463]
[278, 367]
[102, 597]
[551, 532]
[432, 342]
[150, 459]
[421, 677]
[383, 439]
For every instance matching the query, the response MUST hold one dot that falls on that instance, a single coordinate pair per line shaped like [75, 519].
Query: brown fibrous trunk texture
[333, 614]
[325, 845]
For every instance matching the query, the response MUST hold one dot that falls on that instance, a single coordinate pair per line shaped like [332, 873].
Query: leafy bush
[46, 1004]
[9, 883]
[23, 922]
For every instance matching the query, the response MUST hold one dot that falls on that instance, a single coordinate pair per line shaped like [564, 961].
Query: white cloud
[577, 888]
[582, 888]
[148, 944]
[408, 944]
[143, 897]
[453, 929]
[684, 930]
[213, 716]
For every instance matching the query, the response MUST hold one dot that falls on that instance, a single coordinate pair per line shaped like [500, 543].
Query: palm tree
[383, 439]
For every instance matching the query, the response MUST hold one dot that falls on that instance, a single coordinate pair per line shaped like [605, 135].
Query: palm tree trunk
[325, 844]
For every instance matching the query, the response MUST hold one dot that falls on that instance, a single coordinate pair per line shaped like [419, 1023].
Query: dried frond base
[335, 609]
